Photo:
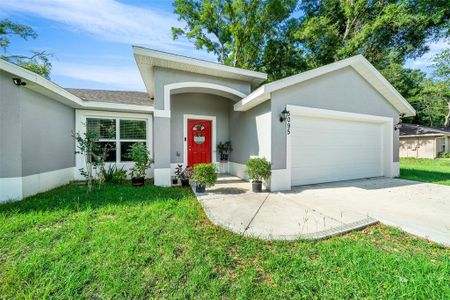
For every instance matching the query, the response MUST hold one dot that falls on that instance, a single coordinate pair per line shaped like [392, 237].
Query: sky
[91, 40]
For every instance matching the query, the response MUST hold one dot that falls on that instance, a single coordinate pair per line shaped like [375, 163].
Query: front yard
[153, 242]
[427, 170]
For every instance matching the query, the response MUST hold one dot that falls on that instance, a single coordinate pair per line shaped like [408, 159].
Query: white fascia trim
[424, 135]
[334, 114]
[197, 62]
[168, 88]
[358, 62]
[44, 86]
[213, 136]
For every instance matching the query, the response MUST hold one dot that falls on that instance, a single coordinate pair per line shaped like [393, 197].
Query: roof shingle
[414, 129]
[123, 97]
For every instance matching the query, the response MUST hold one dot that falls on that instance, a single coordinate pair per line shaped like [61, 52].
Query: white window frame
[81, 117]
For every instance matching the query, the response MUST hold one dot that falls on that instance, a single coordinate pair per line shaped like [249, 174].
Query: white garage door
[325, 150]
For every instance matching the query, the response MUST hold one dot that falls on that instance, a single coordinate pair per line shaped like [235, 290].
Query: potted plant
[204, 175]
[258, 170]
[183, 174]
[224, 150]
[141, 158]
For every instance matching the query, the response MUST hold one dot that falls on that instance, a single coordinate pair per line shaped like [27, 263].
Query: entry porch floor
[323, 210]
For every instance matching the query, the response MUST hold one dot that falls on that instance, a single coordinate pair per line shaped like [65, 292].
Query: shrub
[114, 174]
[183, 174]
[224, 150]
[141, 158]
[258, 169]
[204, 175]
[444, 155]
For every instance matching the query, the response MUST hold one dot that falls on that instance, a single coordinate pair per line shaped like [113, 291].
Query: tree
[37, 62]
[384, 31]
[236, 31]
[441, 76]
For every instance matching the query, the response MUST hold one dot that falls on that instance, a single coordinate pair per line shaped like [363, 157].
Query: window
[118, 135]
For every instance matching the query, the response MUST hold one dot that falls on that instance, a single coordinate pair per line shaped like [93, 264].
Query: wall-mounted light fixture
[399, 124]
[19, 82]
[285, 115]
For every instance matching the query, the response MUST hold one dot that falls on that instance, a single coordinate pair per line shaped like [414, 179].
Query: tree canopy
[285, 37]
[37, 61]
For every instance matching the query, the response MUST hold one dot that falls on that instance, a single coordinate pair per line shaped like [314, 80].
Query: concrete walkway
[320, 211]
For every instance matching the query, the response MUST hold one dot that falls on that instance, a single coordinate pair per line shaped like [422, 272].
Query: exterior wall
[343, 90]
[167, 76]
[36, 146]
[250, 133]
[162, 118]
[197, 104]
[418, 147]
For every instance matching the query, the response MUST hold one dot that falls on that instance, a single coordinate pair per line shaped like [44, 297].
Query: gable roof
[358, 63]
[43, 86]
[124, 97]
[147, 58]
[408, 130]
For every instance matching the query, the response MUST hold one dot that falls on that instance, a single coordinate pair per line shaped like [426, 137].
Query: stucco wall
[250, 133]
[197, 104]
[418, 147]
[163, 76]
[35, 132]
[342, 90]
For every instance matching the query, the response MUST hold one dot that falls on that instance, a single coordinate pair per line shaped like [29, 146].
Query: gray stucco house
[340, 122]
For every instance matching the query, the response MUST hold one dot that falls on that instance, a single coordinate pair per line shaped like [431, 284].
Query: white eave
[358, 63]
[146, 59]
[50, 89]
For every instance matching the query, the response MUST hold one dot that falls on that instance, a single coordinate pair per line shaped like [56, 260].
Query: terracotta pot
[137, 181]
[256, 186]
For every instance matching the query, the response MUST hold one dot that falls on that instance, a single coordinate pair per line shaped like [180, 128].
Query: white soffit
[50, 89]
[358, 63]
[146, 59]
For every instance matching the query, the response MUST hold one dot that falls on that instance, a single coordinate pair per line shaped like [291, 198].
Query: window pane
[133, 130]
[109, 148]
[102, 128]
[124, 148]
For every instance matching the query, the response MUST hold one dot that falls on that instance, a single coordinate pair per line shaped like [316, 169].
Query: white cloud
[105, 19]
[122, 78]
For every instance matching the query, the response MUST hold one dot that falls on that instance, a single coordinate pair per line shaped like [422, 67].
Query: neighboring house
[423, 142]
[338, 122]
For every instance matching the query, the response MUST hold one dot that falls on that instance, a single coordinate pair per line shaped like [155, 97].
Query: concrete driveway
[323, 210]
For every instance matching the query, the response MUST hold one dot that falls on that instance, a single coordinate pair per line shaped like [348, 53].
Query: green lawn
[427, 170]
[151, 242]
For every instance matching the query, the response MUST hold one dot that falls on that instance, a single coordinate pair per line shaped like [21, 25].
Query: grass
[153, 242]
[426, 170]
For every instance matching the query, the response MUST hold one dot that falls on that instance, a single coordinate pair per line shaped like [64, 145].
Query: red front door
[199, 141]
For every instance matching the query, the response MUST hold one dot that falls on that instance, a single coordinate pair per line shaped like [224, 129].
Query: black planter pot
[137, 181]
[224, 157]
[184, 182]
[174, 181]
[199, 189]
[256, 186]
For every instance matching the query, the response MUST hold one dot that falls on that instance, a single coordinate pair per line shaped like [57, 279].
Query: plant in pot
[183, 174]
[139, 154]
[224, 150]
[258, 170]
[204, 175]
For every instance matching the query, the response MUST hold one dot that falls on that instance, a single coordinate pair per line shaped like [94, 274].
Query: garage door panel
[324, 150]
